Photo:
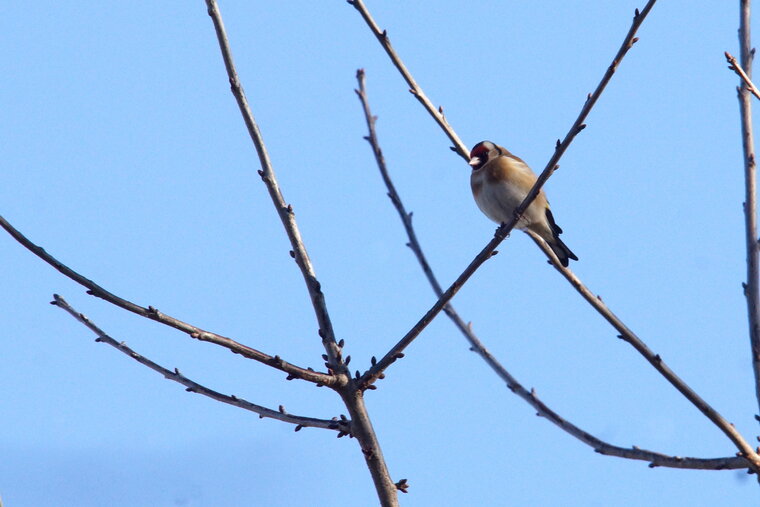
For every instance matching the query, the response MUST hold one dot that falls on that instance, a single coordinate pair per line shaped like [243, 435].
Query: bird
[500, 181]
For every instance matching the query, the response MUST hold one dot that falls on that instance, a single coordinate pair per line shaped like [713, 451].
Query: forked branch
[153, 314]
[501, 233]
[361, 425]
[654, 458]
[341, 426]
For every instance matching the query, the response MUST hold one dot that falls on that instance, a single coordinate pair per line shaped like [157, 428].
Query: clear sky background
[125, 156]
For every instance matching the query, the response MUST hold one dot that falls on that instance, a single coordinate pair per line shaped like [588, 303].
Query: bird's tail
[562, 252]
[560, 249]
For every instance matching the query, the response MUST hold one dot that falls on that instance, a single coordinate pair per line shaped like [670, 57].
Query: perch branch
[752, 286]
[153, 314]
[194, 387]
[414, 88]
[745, 450]
[600, 446]
[284, 210]
[397, 351]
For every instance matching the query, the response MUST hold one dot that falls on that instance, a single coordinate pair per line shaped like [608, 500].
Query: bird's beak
[474, 161]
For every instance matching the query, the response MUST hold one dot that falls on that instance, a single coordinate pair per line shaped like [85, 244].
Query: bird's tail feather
[561, 250]
[549, 236]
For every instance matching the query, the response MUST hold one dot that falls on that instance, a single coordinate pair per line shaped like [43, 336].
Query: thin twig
[600, 446]
[347, 387]
[153, 314]
[396, 351]
[284, 210]
[655, 360]
[734, 65]
[194, 387]
[406, 218]
[752, 286]
[437, 114]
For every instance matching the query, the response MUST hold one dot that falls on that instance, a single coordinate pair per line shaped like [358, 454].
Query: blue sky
[125, 157]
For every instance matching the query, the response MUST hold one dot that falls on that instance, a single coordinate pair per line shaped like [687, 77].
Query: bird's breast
[497, 199]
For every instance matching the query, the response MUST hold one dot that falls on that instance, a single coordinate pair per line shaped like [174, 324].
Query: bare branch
[655, 360]
[396, 351]
[406, 218]
[284, 210]
[600, 446]
[752, 287]
[347, 387]
[437, 113]
[734, 65]
[153, 314]
[194, 387]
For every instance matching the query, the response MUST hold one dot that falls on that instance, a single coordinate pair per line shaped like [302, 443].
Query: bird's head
[482, 153]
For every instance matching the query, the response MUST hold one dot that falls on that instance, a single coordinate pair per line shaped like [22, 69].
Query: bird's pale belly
[498, 202]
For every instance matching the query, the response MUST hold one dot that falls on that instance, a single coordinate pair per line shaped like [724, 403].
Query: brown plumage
[500, 181]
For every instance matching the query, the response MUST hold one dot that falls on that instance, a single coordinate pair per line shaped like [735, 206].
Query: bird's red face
[480, 154]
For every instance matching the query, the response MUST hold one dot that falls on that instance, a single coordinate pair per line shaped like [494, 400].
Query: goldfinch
[500, 181]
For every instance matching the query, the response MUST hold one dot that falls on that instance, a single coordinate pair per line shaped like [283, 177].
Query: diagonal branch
[745, 449]
[361, 424]
[753, 301]
[414, 88]
[153, 314]
[284, 210]
[194, 387]
[600, 446]
[487, 252]
[406, 218]
[752, 286]
[734, 65]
